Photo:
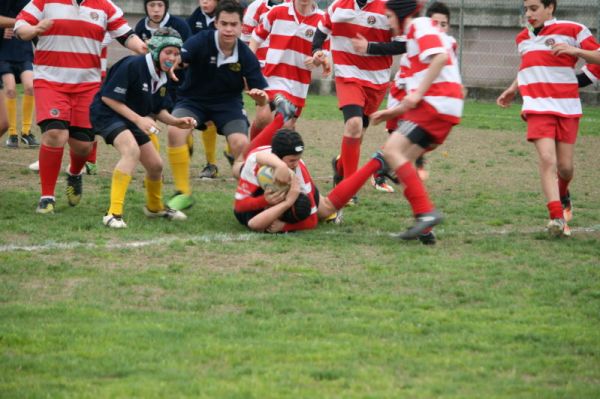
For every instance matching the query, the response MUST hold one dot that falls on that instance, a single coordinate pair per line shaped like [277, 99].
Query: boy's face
[156, 11]
[441, 21]
[393, 21]
[292, 160]
[167, 57]
[229, 26]
[536, 13]
[208, 6]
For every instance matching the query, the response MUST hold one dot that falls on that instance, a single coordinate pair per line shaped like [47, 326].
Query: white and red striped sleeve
[31, 14]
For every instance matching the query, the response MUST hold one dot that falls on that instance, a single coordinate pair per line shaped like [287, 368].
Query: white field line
[227, 237]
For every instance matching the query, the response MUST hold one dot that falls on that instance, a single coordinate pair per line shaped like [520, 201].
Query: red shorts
[70, 107]
[554, 127]
[351, 93]
[428, 119]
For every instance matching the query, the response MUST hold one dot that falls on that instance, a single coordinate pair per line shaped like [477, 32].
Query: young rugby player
[432, 106]
[219, 65]
[15, 67]
[549, 50]
[65, 79]
[133, 91]
[361, 80]
[5, 22]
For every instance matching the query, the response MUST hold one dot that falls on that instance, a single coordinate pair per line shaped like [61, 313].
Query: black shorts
[111, 128]
[15, 68]
[228, 117]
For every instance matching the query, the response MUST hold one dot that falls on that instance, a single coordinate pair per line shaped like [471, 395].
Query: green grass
[495, 310]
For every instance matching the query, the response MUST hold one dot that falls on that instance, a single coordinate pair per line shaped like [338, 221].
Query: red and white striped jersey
[67, 55]
[252, 17]
[104, 55]
[248, 182]
[424, 40]
[290, 42]
[343, 21]
[398, 85]
[548, 83]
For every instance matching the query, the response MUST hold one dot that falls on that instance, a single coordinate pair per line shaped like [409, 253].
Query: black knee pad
[351, 111]
[81, 133]
[51, 124]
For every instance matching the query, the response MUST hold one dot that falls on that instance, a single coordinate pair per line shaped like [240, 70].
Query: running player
[135, 89]
[549, 50]
[66, 77]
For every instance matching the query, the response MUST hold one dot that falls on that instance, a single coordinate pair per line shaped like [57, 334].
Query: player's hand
[360, 44]
[506, 98]
[147, 125]
[186, 122]
[276, 227]
[379, 116]
[259, 96]
[274, 197]
[293, 192]
[564, 49]
[43, 26]
[282, 174]
[315, 61]
[9, 33]
[326, 67]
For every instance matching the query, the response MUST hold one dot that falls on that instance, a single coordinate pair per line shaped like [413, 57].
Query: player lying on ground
[122, 112]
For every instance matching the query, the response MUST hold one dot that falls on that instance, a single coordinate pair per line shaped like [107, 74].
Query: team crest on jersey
[94, 15]
[145, 87]
[371, 20]
[213, 60]
[550, 42]
[309, 33]
[54, 112]
[199, 25]
[235, 67]
[163, 91]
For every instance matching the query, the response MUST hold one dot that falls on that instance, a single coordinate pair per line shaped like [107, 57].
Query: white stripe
[446, 105]
[360, 18]
[565, 106]
[288, 56]
[69, 44]
[546, 74]
[33, 10]
[120, 31]
[589, 74]
[290, 86]
[342, 43]
[66, 75]
[381, 76]
[77, 14]
[324, 29]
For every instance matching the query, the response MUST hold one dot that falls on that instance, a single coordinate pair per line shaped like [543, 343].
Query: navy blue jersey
[199, 21]
[209, 78]
[13, 49]
[134, 82]
[143, 30]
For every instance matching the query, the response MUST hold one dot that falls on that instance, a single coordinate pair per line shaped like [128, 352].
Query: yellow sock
[153, 194]
[179, 158]
[11, 108]
[154, 140]
[209, 139]
[227, 148]
[26, 113]
[118, 189]
[190, 141]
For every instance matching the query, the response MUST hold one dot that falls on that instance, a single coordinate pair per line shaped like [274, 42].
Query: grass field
[206, 309]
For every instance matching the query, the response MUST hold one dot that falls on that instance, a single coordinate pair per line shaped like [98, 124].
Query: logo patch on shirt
[213, 60]
[120, 90]
[94, 15]
[235, 67]
[309, 33]
[54, 112]
[163, 91]
[199, 25]
[550, 42]
[145, 87]
[371, 20]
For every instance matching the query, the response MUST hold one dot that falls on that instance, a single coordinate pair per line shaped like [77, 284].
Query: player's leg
[565, 153]
[27, 103]
[3, 115]
[80, 145]
[10, 92]
[55, 134]
[209, 140]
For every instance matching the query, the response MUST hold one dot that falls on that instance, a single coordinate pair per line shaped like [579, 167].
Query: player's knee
[547, 160]
[28, 90]
[565, 170]
[155, 168]
[10, 92]
[354, 126]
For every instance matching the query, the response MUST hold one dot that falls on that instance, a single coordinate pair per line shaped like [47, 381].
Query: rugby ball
[266, 182]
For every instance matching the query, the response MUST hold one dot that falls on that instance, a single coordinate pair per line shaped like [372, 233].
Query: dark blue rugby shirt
[199, 21]
[143, 30]
[14, 49]
[207, 81]
[134, 82]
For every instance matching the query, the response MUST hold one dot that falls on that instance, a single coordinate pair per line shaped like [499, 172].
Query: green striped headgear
[163, 37]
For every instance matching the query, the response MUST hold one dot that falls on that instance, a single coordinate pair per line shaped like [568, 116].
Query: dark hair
[438, 8]
[287, 142]
[299, 211]
[548, 3]
[229, 6]
[165, 2]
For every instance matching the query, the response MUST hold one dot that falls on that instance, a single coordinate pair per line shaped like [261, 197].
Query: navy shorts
[110, 128]
[15, 68]
[228, 117]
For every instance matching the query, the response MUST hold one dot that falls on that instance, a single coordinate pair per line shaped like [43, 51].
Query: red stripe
[429, 41]
[562, 28]
[64, 27]
[27, 17]
[445, 89]
[297, 101]
[288, 72]
[372, 63]
[116, 24]
[397, 93]
[280, 42]
[67, 87]
[546, 59]
[372, 34]
[261, 53]
[550, 90]
[590, 44]
[67, 60]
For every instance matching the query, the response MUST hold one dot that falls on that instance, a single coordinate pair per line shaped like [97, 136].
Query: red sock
[50, 159]
[266, 135]
[555, 209]
[77, 162]
[414, 190]
[350, 155]
[92, 157]
[254, 131]
[342, 193]
[563, 186]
